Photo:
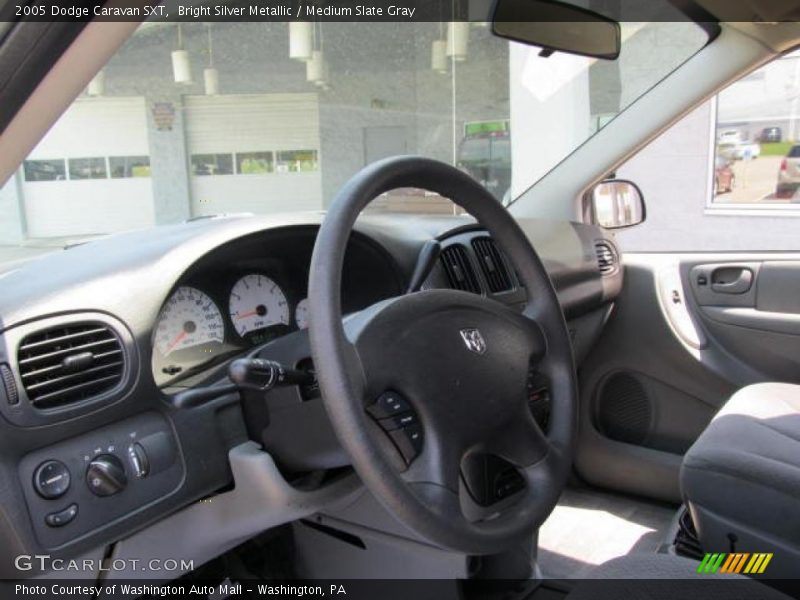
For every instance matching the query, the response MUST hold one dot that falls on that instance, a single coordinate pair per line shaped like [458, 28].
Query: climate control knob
[105, 475]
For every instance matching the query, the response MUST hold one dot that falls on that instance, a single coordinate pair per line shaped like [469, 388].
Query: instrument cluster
[196, 325]
[250, 292]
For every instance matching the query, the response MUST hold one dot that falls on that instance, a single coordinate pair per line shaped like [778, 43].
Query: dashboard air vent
[71, 363]
[459, 270]
[492, 264]
[606, 257]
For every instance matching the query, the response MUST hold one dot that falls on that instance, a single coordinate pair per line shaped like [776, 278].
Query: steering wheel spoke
[439, 463]
[522, 442]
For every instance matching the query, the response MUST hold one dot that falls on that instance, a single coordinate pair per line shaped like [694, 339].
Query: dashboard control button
[409, 441]
[141, 465]
[507, 484]
[62, 517]
[388, 405]
[51, 479]
[8, 384]
[105, 475]
[398, 421]
[159, 450]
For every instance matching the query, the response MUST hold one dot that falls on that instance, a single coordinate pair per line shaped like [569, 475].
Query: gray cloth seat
[666, 577]
[741, 478]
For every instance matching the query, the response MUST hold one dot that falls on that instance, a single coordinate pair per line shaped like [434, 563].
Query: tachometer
[189, 318]
[257, 302]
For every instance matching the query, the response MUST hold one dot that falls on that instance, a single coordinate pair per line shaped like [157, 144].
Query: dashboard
[96, 340]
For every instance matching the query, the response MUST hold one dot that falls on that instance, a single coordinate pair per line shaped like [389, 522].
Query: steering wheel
[460, 360]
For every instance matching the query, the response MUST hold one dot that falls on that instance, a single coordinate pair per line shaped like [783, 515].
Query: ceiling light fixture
[317, 68]
[457, 40]
[300, 40]
[210, 73]
[439, 53]
[439, 56]
[181, 64]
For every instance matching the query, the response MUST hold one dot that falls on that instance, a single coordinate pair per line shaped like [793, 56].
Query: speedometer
[257, 302]
[189, 318]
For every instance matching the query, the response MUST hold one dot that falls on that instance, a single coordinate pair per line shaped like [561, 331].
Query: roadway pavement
[755, 182]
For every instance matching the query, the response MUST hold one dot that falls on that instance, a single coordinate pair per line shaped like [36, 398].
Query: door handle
[731, 280]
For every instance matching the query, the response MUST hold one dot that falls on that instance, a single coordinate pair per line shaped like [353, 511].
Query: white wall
[97, 127]
[12, 220]
[259, 194]
[59, 208]
[92, 127]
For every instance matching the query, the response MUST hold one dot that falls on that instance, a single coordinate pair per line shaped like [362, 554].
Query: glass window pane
[129, 166]
[44, 170]
[254, 163]
[212, 164]
[296, 161]
[87, 168]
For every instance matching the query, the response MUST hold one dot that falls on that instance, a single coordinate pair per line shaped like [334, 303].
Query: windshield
[190, 120]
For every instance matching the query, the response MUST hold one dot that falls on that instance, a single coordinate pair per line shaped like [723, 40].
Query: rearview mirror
[617, 203]
[557, 26]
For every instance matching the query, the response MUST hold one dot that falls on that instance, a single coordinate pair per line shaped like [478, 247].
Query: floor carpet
[589, 527]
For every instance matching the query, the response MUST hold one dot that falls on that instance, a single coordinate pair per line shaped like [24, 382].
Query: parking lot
[755, 181]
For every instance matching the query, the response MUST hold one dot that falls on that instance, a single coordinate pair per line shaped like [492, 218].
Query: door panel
[686, 332]
[752, 310]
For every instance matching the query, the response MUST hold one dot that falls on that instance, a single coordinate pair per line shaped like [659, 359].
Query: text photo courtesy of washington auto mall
[409, 300]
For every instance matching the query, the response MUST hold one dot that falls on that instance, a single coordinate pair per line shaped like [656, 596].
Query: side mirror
[617, 203]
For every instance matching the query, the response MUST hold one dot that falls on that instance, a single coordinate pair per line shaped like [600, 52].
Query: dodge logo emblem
[473, 340]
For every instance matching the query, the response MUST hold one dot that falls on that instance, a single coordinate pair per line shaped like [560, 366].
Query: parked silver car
[789, 174]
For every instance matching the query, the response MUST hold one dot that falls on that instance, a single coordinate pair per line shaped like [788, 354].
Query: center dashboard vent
[458, 269]
[607, 261]
[67, 364]
[493, 265]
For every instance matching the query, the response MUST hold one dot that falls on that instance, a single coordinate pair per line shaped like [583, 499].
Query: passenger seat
[741, 478]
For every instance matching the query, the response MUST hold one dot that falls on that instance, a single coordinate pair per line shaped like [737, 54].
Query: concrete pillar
[550, 111]
[169, 159]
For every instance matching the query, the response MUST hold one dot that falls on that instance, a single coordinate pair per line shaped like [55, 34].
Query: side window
[727, 176]
[757, 154]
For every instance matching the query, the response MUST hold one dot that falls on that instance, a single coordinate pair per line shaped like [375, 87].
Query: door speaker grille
[624, 410]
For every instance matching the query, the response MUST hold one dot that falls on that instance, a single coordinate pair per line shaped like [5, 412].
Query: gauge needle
[176, 341]
[251, 313]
